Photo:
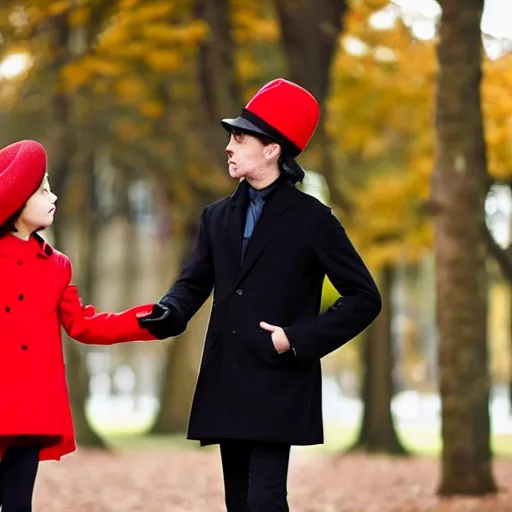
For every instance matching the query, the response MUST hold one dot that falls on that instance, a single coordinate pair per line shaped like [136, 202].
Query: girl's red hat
[22, 169]
[282, 111]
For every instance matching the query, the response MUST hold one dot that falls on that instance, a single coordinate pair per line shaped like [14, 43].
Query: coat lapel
[269, 224]
[238, 206]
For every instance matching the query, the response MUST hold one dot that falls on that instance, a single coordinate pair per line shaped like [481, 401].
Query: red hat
[22, 169]
[282, 111]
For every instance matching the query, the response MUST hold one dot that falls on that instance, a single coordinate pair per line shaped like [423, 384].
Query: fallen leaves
[191, 481]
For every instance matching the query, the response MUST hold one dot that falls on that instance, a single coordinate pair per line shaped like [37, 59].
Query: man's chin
[235, 174]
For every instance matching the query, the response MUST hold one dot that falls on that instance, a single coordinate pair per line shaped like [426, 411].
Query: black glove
[160, 324]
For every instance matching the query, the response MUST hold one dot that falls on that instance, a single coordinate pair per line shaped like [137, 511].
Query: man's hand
[160, 323]
[279, 338]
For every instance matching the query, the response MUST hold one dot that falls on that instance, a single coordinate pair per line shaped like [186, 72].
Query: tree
[378, 118]
[459, 187]
[310, 35]
[377, 433]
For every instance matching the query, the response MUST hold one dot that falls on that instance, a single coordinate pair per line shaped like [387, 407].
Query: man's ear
[273, 151]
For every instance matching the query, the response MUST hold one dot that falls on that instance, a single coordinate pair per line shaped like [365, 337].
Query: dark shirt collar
[263, 192]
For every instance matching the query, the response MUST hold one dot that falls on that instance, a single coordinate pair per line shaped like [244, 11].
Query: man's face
[248, 157]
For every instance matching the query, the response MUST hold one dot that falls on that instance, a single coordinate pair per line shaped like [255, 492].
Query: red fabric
[36, 299]
[289, 108]
[22, 168]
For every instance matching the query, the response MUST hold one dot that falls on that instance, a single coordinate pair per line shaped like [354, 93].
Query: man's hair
[239, 135]
[10, 224]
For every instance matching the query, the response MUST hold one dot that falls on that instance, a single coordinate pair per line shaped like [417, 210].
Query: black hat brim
[240, 123]
[255, 125]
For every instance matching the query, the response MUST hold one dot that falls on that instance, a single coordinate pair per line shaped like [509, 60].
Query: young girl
[36, 299]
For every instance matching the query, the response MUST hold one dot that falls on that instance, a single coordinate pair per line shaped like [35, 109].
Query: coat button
[239, 292]
[24, 347]
[20, 262]
[7, 309]
[20, 296]
[233, 332]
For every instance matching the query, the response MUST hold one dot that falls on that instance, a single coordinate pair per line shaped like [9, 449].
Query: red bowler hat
[22, 169]
[282, 111]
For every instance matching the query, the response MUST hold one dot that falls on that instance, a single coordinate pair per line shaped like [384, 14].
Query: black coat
[245, 389]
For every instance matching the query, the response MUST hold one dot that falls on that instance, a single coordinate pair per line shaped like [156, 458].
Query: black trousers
[18, 470]
[255, 476]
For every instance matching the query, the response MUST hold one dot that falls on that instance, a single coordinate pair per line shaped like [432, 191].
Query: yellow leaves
[194, 32]
[151, 109]
[374, 5]
[105, 67]
[165, 33]
[130, 89]
[497, 108]
[85, 71]
[160, 32]
[163, 61]
[247, 67]
[267, 31]
[133, 50]
[151, 11]
[75, 76]
[191, 33]
[252, 23]
[58, 7]
[129, 131]
[256, 31]
[128, 4]
[79, 16]
[388, 224]
[115, 34]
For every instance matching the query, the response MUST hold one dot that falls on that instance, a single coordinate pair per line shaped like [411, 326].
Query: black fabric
[290, 169]
[255, 476]
[244, 125]
[159, 323]
[18, 471]
[245, 389]
[250, 122]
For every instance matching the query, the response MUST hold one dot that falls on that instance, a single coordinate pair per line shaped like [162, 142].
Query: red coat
[36, 299]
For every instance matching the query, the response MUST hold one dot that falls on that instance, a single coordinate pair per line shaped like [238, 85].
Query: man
[265, 251]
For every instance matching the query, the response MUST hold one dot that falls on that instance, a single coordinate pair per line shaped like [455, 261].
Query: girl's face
[39, 210]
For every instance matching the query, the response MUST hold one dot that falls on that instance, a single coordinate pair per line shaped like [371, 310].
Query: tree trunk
[220, 92]
[310, 35]
[217, 72]
[459, 192]
[220, 97]
[378, 433]
[183, 357]
[63, 143]
[77, 373]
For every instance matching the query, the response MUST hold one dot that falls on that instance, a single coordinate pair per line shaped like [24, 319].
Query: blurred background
[127, 97]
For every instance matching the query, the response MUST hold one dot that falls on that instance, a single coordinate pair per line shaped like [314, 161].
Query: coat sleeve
[193, 286]
[360, 301]
[84, 324]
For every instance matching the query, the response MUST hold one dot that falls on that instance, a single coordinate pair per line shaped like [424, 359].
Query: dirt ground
[179, 481]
